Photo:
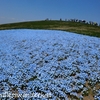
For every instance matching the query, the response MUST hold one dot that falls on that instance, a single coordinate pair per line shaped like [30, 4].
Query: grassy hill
[81, 28]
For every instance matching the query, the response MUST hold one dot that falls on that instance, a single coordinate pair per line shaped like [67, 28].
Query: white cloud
[8, 18]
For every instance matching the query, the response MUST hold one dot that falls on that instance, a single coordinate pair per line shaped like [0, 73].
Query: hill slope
[58, 25]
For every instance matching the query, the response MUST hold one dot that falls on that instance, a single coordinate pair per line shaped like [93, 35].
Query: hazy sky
[28, 10]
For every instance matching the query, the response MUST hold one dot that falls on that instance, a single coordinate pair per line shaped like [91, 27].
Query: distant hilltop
[72, 25]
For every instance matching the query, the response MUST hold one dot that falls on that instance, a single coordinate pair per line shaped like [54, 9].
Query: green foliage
[31, 79]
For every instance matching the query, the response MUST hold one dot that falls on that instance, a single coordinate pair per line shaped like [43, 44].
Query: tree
[60, 19]
[46, 19]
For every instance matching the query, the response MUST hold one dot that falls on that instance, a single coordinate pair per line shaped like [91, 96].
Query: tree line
[77, 20]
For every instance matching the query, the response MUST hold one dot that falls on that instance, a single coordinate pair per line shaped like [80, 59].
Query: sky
[31, 10]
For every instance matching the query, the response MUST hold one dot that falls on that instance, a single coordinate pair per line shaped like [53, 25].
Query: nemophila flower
[64, 64]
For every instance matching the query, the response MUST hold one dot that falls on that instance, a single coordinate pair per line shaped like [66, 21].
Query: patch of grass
[76, 27]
